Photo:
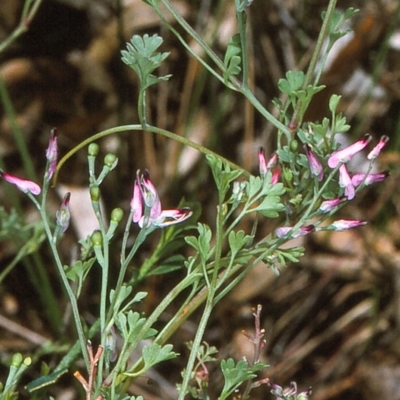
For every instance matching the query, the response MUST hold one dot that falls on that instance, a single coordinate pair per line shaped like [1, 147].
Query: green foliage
[130, 325]
[223, 174]
[202, 242]
[237, 373]
[78, 273]
[142, 58]
[238, 240]
[337, 21]
[232, 58]
[155, 354]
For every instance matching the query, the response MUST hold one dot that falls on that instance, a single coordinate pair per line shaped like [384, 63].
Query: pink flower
[284, 230]
[63, 215]
[377, 149]
[345, 182]
[344, 155]
[265, 166]
[329, 205]
[275, 176]
[315, 165]
[368, 179]
[343, 224]
[52, 154]
[22, 184]
[146, 205]
[262, 162]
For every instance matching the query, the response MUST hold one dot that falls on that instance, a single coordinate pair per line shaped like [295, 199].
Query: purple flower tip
[368, 179]
[315, 166]
[145, 197]
[378, 148]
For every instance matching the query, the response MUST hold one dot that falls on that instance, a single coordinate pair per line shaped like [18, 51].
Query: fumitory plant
[300, 186]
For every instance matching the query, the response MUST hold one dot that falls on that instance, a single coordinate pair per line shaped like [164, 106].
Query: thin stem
[208, 306]
[296, 118]
[242, 88]
[53, 247]
[138, 127]
[241, 18]
[182, 285]
[26, 19]
[19, 138]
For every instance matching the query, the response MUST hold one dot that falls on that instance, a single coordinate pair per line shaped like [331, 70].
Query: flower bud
[96, 238]
[27, 361]
[93, 149]
[294, 145]
[95, 193]
[16, 360]
[117, 214]
[110, 160]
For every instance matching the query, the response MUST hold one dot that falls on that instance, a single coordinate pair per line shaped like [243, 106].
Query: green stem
[208, 306]
[182, 285]
[52, 242]
[26, 18]
[296, 118]
[138, 127]
[241, 18]
[19, 138]
[236, 85]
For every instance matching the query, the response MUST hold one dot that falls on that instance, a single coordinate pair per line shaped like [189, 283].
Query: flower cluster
[338, 161]
[289, 393]
[343, 156]
[146, 205]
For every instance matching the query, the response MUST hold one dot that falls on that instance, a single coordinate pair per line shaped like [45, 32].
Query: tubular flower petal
[329, 205]
[265, 166]
[145, 197]
[170, 217]
[344, 155]
[150, 195]
[315, 165]
[275, 176]
[344, 224]
[284, 230]
[368, 179]
[52, 153]
[374, 153]
[137, 202]
[272, 161]
[63, 215]
[345, 182]
[262, 162]
[22, 184]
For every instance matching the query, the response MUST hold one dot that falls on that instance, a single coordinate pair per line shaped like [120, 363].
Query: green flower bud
[27, 361]
[95, 193]
[287, 174]
[117, 215]
[93, 149]
[96, 238]
[110, 160]
[16, 360]
[294, 145]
